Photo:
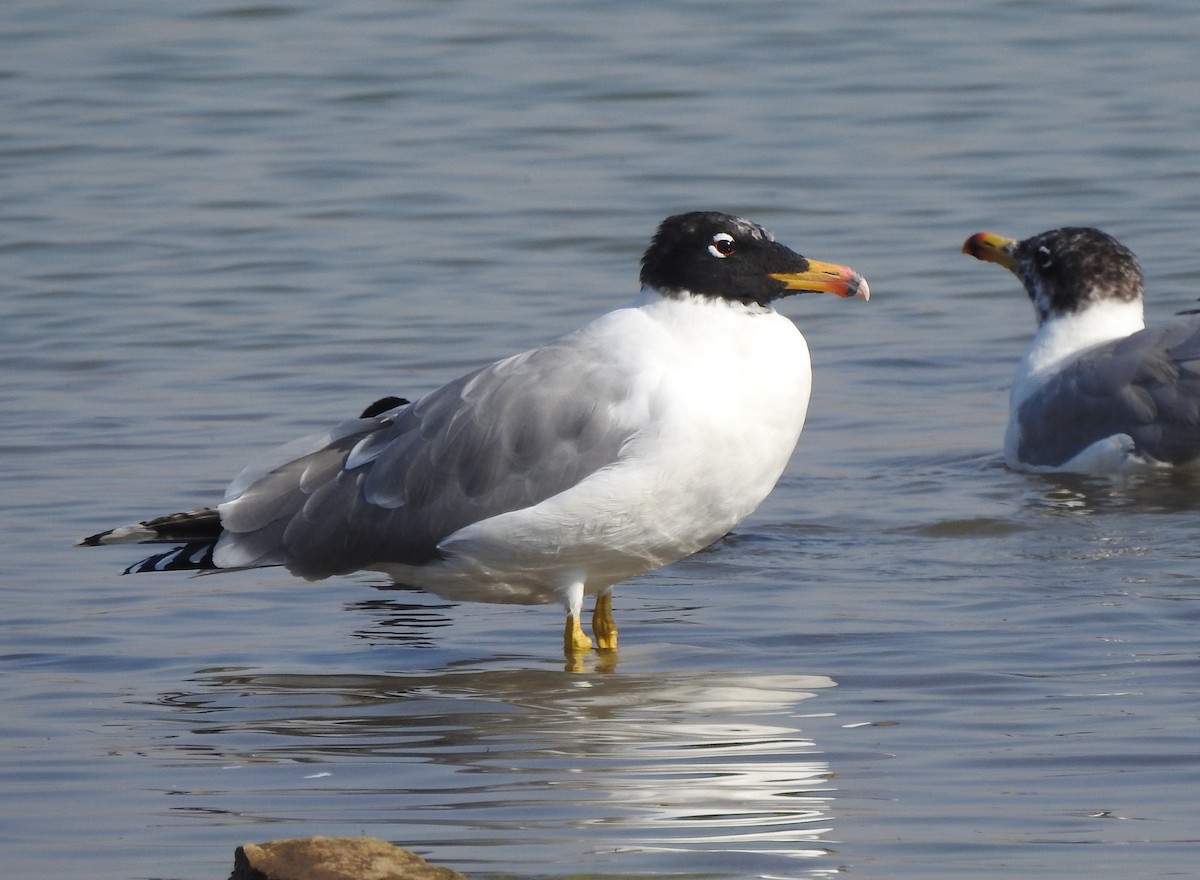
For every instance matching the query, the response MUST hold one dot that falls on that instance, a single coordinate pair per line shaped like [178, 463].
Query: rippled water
[225, 225]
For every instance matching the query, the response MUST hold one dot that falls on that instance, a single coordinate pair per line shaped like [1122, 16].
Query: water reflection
[408, 623]
[520, 769]
[1169, 490]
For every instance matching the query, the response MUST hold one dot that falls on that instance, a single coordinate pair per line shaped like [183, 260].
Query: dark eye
[722, 245]
[1044, 257]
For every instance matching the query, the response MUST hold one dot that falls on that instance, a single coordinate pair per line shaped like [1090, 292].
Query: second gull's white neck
[1062, 337]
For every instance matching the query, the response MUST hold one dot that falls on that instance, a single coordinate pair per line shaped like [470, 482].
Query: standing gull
[1097, 391]
[553, 474]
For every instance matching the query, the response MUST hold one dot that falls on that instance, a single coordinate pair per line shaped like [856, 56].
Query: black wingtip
[196, 556]
[202, 525]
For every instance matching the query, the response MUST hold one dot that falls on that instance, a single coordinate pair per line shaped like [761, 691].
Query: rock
[333, 858]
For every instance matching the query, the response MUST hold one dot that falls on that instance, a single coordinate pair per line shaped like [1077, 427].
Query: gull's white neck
[649, 296]
[1061, 338]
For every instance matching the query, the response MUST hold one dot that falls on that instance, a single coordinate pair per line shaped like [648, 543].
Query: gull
[554, 474]
[1098, 391]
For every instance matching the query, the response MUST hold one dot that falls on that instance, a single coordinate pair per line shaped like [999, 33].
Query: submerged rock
[333, 858]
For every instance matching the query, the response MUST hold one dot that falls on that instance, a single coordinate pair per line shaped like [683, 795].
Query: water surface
[229, 224]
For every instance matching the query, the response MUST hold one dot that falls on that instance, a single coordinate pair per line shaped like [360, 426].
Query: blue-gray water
[224, 225]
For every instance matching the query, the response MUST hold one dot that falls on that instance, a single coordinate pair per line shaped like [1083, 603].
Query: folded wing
[1146, 386]
[389, 488]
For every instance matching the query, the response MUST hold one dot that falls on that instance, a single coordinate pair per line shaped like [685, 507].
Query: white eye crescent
[1045, 258]
[722, 245]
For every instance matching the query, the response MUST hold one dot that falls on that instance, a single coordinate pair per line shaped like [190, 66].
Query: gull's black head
[1066, 270]
[720, 256]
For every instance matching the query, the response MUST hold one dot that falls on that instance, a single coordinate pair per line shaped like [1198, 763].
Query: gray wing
[1146, 385]
[389, 488]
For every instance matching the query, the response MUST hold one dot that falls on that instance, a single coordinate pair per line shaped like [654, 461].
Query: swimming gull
[550, 475]
[1098, 391]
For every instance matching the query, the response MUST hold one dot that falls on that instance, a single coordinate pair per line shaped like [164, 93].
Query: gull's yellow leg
[575, 641]
[603, 625]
